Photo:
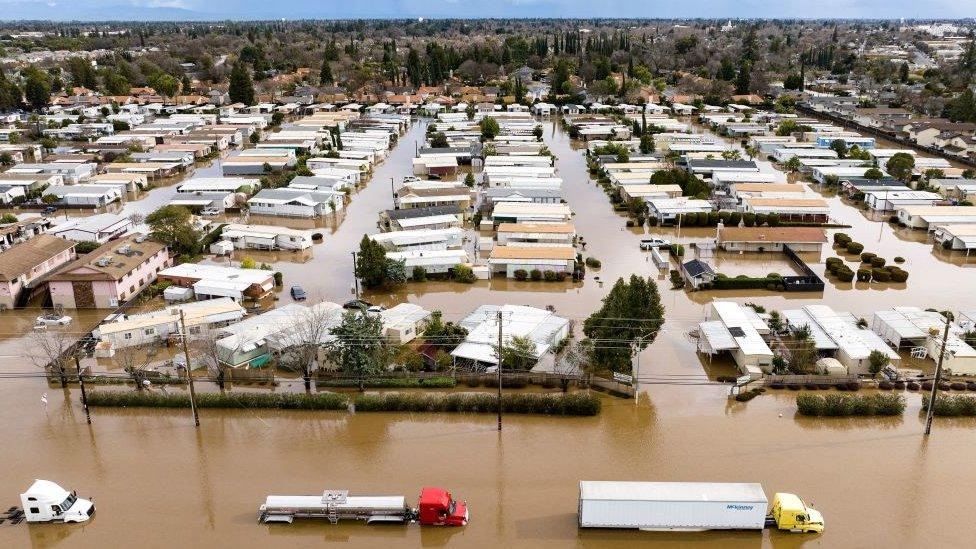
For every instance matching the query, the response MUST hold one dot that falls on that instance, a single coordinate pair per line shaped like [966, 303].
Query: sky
[343, 9]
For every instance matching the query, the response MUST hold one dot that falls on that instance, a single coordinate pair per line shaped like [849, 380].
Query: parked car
[210, 212]
[49, 209]
[649, 243]
[53, 319]
[357, 304]
[376, 309]
[298, 294]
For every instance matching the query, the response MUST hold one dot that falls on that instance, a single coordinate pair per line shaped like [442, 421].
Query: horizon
[88, 11]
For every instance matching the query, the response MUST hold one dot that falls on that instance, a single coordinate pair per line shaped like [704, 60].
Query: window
[35, 510]
[127, 335]
[149, 331]
[132, 289]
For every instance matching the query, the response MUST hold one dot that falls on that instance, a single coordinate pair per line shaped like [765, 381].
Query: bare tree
[303, 339]
[48, 349]
[572, 362]
[206, 350]
[135, 360]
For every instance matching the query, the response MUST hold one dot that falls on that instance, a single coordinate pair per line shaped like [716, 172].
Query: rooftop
[20, 258]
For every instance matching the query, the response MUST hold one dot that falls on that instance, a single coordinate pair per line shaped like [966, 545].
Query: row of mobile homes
[736, 329]
[838, 335]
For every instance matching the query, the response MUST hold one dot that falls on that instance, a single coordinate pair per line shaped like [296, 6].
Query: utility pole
[393, 193]
[189, 374]
[938, 375]
[637, 351]
[355, 278]
[84, 395]
[499, 319]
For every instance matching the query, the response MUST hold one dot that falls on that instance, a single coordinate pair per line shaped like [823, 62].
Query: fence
[613, 387]
[809, 282]
[808, 380]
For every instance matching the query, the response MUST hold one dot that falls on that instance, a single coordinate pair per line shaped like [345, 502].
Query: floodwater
[158, 482]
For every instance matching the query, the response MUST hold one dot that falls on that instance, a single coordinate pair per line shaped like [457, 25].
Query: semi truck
[45, 501]
[435, 507]
[692, 506]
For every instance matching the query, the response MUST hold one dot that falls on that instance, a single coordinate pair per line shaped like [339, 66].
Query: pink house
[110, 275]
[23, 266]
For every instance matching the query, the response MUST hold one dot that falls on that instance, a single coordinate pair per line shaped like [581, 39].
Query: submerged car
[298, 294]
[53, 319]
[649, 243]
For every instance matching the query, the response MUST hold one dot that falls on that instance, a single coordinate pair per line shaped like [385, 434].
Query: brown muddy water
[158, 482]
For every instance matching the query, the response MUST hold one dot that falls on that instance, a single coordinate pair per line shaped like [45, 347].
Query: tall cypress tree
[241, 88]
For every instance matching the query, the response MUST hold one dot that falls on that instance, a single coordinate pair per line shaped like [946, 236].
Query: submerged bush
[283, 401]
[951, 405]
[837, 405]
[560, 404]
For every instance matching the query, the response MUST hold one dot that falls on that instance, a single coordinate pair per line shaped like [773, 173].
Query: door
[84, 295]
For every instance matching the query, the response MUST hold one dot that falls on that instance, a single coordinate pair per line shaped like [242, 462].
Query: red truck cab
[438, 508]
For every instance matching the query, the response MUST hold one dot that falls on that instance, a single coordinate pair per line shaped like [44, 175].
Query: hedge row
[772, 282]
[560, 404]
[282, 401]
[879, 404]
[392, 383]
[952, 405]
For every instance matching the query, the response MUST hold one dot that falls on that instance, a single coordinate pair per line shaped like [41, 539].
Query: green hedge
[951, 405]
[880, 404]
[283, 401]
[392, 383]
[560, 404]
[748, 283]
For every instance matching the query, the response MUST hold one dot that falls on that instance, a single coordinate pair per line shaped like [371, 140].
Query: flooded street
[158, 482]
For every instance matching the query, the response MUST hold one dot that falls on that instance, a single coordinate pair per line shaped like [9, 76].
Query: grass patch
[880, 404]
[281, 401]
[559, 404]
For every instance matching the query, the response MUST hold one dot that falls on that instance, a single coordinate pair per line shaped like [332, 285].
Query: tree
[305, 337]
[371, 263]
[742, 79]
[877, 360]
[6, 159]
[647, 144]
[803, 351]
[793, 81]
[325, 75]
[840, 147]
[438, 140]
[206, 350]
[185, 85]
[962, 108]
[732, 154]
[241, 88]
[469, 180]
[445, 335]
[793, 164]
[135, 360]
[628, 320]
[358, 346]
[48, 349]
[37, 89]
[517, 354]
[174, 226]
[166, 85]
[900, 166]
[873, 173]
[489, 128]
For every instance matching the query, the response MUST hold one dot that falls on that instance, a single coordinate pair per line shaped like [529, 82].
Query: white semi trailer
[691, 506]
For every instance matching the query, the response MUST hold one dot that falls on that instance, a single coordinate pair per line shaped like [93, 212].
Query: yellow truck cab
[790, 513]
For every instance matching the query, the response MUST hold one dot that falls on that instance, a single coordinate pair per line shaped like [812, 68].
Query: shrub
[864, 274]
[521, 274]
[419, 274]
[393, 383]
[912, 386]
[952, 405]
[877, 262]
[463, 273]
[866, 257]
[593, 263]
[845, 275]
[899, 259]
[958, 386]
[535, 274]
[897, 275]
[565, 404]
[833, 263]
[282, 401]
[550, 276]
[885, 385]
[884, 404]
[880, 275]
[854, 247]
[841, 239]
[746, 396]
